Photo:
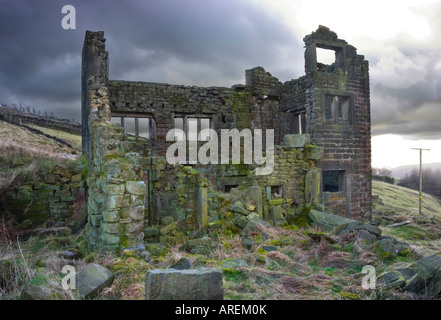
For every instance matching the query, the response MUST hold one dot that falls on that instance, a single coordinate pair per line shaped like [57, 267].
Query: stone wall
[133, 188]
[346, 139]
[48, 198]
[116, 191]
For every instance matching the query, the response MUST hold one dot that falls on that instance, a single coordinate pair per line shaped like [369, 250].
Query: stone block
[134, 213]
[313, 189]
[327, 220]
[109, 239]
[133, 227]
[193, 284]
[415, 284]
[35, 293]
[434, 287]
[76, 178]
[92, 279]
[233, 264]
[110, 228]
[314, 153]
[427, 267]
[366, 236]
[136, 187]
[116, 201]
[237, 207]
[182, 264]
[110, 216]
[50, 178]
[296, 140]
[199, 242]
[114, 188]
[62, 194]
[62, 171]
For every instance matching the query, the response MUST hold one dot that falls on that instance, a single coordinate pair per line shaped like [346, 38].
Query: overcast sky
[212, 43]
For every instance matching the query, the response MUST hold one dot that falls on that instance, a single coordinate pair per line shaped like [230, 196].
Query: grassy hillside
[73, 139]
[398, 204]
[23, 153]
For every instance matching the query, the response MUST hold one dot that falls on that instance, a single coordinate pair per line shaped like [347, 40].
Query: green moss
[261, 251]
[130, 266]
[275, 202]
[405, 252]
[39, 279]
[90, 258]
[234, 275]
[349, 296]
[290, 227]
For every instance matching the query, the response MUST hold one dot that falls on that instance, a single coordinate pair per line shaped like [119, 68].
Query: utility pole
[421, 174]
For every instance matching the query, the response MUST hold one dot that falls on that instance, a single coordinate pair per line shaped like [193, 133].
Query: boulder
[366, 236]
[389, 277]
[357, 226]
[200, 250]
[434, 287]
[93, 279]
[233, 264]
[407, 273]
[247, 243]
[138, 251]
[391, 247]
[238, 208]
[253, 226]
[327, 220]
[182, 264]
[387, 248]
[269, 248]
[71, 254]
[241, 221]
[415, 284]
[193, 284]
[35, 293]
[320, 236]
[427, 267]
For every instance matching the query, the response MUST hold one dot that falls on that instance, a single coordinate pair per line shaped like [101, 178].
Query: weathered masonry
[321, 125]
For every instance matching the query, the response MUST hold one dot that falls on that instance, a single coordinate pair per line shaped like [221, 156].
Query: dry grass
[23, 153]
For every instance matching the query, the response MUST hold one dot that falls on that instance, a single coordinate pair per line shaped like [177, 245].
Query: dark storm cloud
[206, 43]
[406, 99]
[406, 83]
[188, 42]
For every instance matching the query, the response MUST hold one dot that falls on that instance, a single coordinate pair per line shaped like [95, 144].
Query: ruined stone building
[322, 154]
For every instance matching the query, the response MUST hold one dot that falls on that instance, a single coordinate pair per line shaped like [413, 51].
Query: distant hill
[19, 117]
[400, 172]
